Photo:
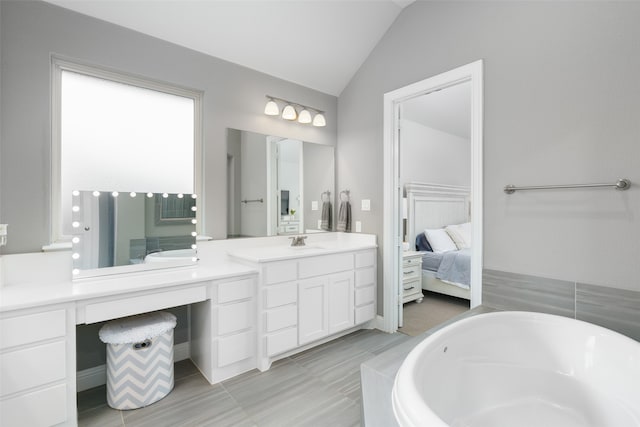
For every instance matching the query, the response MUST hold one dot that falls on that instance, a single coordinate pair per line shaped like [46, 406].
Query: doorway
[394, 226]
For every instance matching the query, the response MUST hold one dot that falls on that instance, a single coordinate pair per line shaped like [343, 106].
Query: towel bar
[621, 184]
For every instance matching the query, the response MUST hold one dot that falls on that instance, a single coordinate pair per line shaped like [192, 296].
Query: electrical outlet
[366, 204]
[314, 205]
[358, 226]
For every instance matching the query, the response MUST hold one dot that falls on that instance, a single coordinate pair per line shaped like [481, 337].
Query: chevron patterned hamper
[139, 359]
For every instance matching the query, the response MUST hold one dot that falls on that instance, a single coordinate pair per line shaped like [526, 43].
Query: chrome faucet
[298, 240]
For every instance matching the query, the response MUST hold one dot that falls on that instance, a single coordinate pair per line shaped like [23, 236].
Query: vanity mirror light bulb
[75, 193]
[165, 195]
[75, 208]
[96, 193]
[75, 271]
[193, 208]
[132, 194]
[194, 247]
[194, 234]
[149, 195]
[194, 259]
[75, 240]
[75, 255]
[115, 194]
[194, 221]
[194, 196]
[75, 224]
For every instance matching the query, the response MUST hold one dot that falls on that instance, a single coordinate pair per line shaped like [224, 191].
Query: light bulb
[75, 193]
[75, 224]
[75, 255]
[289, 113]
[304, 116]
[96, 193]
[271, 109]
[149, 195]
[319, 120]
[76, 240]
[194, 234]
[193, 208]
[180, 195]
[194, 196]
[132, 194]
[194, 221]
[75, 208]
[165, 195]
[194, 247]
[75, 271]
[115, 194]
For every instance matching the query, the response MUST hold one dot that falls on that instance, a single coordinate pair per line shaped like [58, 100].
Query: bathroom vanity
[252, 301]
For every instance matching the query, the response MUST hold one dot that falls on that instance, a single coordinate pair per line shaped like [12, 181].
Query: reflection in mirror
[277, 185]
[131, 231]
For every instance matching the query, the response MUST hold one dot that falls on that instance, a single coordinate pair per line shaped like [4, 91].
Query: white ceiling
[447, 110]
[319, 44]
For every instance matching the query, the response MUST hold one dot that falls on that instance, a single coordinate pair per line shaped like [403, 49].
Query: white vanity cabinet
[223, 330]
[308, 299]
[37, 362]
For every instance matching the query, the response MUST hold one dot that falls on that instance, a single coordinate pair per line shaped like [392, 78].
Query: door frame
[392, 230]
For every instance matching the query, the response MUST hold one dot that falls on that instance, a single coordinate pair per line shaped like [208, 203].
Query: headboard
[435, 206]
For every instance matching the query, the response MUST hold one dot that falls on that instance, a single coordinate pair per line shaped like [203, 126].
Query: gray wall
[431, 156]
[562, 102]
[234, 97]
[319, 176]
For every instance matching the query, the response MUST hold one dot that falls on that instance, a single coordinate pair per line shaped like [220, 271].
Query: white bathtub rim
[411, 407]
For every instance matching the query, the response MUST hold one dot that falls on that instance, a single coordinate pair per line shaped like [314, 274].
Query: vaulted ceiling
[319, 44]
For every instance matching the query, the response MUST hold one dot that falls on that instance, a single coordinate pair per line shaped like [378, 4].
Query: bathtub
[511, 369]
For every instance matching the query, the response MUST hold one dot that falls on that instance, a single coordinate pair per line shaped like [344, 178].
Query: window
[116, 132]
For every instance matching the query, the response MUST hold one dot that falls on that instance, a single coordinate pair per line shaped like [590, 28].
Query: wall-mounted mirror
[278, 185]
[131, 231]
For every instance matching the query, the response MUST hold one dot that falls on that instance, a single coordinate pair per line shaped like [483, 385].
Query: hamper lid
[129, 330]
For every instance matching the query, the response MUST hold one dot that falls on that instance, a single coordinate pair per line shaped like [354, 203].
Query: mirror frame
[78, 219]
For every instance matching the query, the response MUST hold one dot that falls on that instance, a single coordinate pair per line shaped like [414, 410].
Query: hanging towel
[344, 217]
[327, 217]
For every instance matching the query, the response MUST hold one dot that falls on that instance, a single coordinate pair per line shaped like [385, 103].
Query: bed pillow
[440, 240]
[460, 234]
[422, 244]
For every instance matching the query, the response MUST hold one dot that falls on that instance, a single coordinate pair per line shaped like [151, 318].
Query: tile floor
[318, 387]
[432, 311]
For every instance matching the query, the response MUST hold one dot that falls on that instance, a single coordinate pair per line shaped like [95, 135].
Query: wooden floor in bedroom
[433, 310]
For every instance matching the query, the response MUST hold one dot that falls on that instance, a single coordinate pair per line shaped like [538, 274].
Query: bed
[435, 206]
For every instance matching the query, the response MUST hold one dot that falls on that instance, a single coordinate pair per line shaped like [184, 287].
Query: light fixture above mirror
[289, 112]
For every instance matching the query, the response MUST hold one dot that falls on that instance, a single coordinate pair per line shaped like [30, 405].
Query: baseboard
[97, 376]
[379, 323]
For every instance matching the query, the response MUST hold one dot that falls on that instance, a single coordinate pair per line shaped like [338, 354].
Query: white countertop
[39, 293]
[286, 251]
[38, 279]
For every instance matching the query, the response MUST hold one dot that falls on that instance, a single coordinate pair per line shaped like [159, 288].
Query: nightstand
[412, 276]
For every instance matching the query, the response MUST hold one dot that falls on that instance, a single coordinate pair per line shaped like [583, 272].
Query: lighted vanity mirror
[278, 185]
[124, 232]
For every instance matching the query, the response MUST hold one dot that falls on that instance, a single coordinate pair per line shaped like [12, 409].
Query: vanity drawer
[365, 295]
[21, 330]
[234, 317]
[281, 318]
[365, 259]
[365, 313]
[365, 277]
[33, 366]
[278, 295]
[326, 264]
[410, 273]
[36, 409]
[282, 341]
[233, 291]
[235, 348]
[277, 272]
[142, 304]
